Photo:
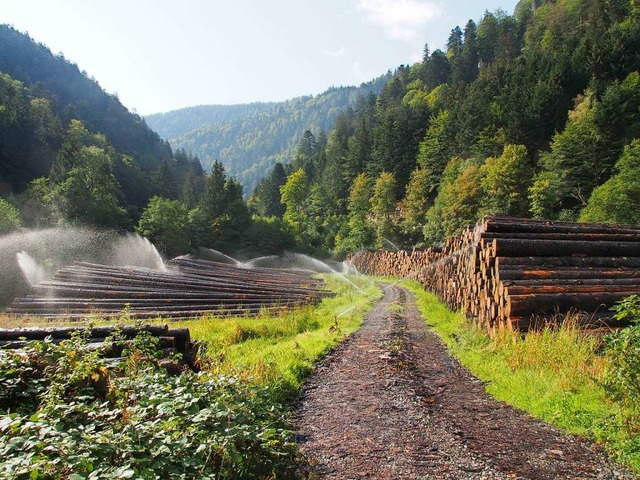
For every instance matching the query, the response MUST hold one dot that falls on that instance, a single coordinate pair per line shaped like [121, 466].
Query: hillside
[58, 124]
[74, 95]
[249, 139]
[535, 114]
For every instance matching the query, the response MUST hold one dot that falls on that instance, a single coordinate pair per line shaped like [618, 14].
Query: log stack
[169, 341]
[187, 289]
[519, 273]
[399, 263]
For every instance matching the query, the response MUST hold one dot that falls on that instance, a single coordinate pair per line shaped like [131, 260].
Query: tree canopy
[531, 114]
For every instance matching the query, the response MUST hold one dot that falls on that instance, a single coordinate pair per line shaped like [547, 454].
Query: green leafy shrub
[9, 217]
[67, 413]
[622, 378]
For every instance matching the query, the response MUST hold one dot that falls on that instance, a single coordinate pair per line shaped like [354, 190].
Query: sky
[162, 55]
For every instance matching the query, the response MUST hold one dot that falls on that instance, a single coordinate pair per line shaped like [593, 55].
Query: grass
[279, 352]
[553, 374]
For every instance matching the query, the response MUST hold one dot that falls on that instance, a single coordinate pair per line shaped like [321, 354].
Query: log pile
[399, 263]
[518, 273]
[187, 289]
[110, 340]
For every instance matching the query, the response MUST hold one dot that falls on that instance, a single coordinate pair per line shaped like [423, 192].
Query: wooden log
[565, 273]
[570, 281]
[545, 262]
[174, 314]
[506, 247]
[520, 305]
[572, 236]
[563, 289]
[520, 225]
[582, 320]
[40, 333]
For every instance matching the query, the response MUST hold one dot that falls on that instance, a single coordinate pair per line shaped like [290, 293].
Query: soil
[390, 403]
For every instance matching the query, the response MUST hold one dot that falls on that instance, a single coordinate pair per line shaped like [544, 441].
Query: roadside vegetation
[584, 384]
[279, 352]
[65, 412]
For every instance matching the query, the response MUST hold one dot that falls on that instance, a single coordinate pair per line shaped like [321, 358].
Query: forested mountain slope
[534, 114]
[98, 162]
[249, 139]
[73, 95]
[531, 114]
[176, 123]
[71, 155]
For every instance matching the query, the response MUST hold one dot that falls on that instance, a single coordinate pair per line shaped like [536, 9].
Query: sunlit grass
[279, 351]
[266, 356]
[553, 374]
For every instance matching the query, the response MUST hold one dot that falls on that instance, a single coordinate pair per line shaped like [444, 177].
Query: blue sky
[160, 55]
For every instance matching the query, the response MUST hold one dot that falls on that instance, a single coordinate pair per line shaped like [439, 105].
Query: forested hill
[59, 126]
[72, 94]
[534, 114]
[249, 139]
[180, 122]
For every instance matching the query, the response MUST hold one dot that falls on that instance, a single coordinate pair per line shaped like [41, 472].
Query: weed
[622, 376]
[63, 414]
[280, 351]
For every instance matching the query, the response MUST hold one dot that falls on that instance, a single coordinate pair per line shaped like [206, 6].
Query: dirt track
[390, 403]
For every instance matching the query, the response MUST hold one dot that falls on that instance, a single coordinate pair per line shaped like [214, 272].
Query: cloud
[341, 52]
[401, 19]
[360, 73]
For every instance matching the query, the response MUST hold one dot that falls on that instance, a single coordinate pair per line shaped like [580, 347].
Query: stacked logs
[110, 341]
[188, 288]
[518, 273]
[400, 263]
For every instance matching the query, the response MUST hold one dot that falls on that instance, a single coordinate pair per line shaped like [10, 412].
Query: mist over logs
[518, 273]
[187, 289]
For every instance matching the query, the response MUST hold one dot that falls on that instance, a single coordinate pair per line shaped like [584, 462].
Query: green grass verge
[279, 352]
[555, 375]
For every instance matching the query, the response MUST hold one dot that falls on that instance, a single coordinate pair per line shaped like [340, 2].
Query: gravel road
[390, 403]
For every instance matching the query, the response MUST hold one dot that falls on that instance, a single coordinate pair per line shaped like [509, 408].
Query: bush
[622, 379]
[618, 199]
[64, 414]
[9, 217]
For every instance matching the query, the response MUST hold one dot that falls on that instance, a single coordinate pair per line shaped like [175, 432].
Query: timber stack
[188, 288]
[400, 263]
[519, 273]
[109, 341]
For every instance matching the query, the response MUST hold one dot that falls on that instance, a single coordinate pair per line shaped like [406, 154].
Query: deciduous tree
[618, 199]
[165, 223]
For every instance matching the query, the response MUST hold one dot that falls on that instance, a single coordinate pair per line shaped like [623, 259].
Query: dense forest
[72, 154]
[250, 139]
[534, 114]
[64, 142]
